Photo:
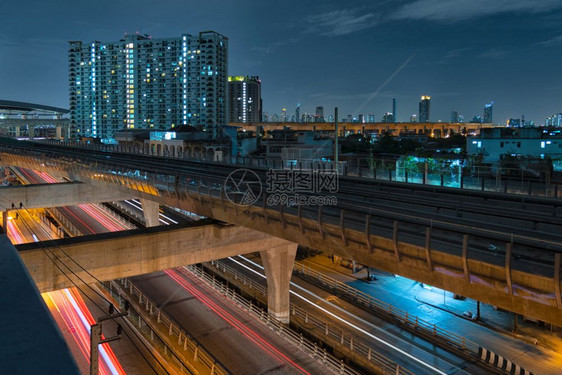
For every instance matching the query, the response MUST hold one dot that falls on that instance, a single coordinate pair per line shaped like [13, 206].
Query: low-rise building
[278, 140]
[494, 143]
[187, 141]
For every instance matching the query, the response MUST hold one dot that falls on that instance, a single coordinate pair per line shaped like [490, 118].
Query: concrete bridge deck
[135, 252]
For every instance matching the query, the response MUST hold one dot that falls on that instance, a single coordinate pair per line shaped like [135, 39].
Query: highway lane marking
[436, 370]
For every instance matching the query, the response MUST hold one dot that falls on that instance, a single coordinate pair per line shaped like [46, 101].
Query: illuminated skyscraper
[144, 83]
[425, 103]
[319, 117]
[298, 113]
[244, 99]
[388, 117]
[488, 108]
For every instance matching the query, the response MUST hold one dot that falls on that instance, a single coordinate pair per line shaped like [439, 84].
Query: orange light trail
[103, 218]
[14, 233]
[78, 319]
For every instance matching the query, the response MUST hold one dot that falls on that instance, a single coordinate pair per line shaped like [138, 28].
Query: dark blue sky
[357, 55]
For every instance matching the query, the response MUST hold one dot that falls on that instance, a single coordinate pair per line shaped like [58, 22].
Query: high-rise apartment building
[244, 99]
[425, 103]
[143, 83]
[394, 109]
[488, 108]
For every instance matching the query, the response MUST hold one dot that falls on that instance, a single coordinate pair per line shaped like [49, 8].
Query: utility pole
[95, 336]
[336, 141]
[477, 310]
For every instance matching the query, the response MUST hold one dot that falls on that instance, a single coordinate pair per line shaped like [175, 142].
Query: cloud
[272, 47]
[458, 52]
[341, 22]
[460, 10]
[451, 54]
[494, 53]
[552, 42]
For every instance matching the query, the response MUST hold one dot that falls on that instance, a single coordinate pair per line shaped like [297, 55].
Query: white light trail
[435, 369]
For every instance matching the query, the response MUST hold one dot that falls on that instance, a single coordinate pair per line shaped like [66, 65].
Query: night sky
[356, 55]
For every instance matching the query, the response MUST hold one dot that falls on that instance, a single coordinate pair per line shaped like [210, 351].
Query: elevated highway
[434, 128]
[500, 249]
[135, 252]
[57, 195]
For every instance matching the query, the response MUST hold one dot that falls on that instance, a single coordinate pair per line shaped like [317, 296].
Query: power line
[49, 252]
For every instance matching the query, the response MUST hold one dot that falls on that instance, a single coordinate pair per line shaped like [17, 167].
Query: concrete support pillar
[31, 129]
[18, 133]
[58, 134]
[278, 266]
[151, 211]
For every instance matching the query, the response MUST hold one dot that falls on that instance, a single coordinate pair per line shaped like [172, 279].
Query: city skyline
[463, 55]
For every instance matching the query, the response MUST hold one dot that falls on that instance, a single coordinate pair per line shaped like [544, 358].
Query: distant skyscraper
[488, 112]
[515, 122]
[319, 117]
[284, 114]
[554, 120]
[454, 117]
[388, 117]
[394, 110]
[244, 99]
[425, 103]
[414, 118]
[298, 113]
[143, 83]
[361, 119]
[371, 118]
[461, 118]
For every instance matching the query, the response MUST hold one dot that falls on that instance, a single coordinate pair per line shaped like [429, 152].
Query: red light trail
[229, 318]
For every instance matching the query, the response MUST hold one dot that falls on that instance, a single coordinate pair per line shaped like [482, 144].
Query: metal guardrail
[471, 349]
[190, 344]
[65, 223]
[126, 224]
[480, 179]
[347, 341]
[398, 315]
[130, 212]
[312, 349]
[156, 340]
